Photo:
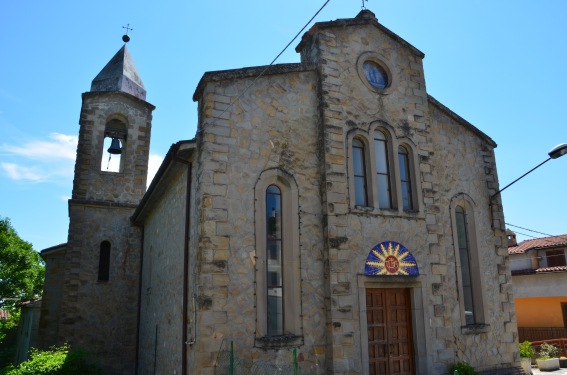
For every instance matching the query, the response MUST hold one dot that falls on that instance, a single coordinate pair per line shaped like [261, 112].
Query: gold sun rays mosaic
[390, 258]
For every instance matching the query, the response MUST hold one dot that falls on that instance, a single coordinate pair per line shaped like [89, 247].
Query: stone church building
[329, 206]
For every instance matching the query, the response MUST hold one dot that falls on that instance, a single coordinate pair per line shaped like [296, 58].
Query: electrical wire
[535, 231]
[273, 61]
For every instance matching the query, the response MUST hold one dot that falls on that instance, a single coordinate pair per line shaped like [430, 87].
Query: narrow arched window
[104, 261]
[278, 275]
[274, 259]
[359, 169]
[405, 178]
[382, 170]
[465, 259]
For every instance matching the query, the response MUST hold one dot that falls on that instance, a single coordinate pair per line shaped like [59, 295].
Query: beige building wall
[51, 299]
[272, 126]
[453, 158]
[303, 123]
[161, 302]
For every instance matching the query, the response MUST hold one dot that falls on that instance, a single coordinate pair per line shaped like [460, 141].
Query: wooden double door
[390, 338]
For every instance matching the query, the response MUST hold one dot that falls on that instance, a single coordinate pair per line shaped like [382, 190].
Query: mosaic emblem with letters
[390, 258]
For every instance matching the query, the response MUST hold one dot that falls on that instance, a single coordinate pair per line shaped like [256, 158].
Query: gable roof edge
[461, 120]
[170, 157]
[365, 17]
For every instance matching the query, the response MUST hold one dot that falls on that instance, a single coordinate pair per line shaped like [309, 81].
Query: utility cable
[273, 61]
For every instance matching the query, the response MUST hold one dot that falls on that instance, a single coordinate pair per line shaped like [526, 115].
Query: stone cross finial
[363, 7]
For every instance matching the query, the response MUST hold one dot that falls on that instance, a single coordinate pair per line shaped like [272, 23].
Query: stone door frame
[421, 340]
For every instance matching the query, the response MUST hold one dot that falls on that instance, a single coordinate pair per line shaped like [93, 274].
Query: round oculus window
[375, 75]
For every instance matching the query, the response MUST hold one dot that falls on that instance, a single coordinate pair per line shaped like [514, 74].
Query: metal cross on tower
[128, 28]
[125, 37]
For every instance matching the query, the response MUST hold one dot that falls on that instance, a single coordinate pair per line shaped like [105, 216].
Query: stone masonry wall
[101, 316]
[51, 299]
[272, 125]
[161, 304]
[466, 164]
[348, 105]
[90, 182]
[451, 160]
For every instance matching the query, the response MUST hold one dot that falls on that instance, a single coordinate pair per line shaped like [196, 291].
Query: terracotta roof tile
[538, 243]
[552, 269]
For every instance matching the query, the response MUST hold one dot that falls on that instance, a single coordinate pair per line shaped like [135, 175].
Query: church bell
[115, 148]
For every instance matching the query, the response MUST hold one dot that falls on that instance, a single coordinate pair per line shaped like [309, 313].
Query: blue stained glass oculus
[375, 74]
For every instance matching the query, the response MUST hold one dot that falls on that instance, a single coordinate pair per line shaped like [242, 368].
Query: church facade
[331, 207]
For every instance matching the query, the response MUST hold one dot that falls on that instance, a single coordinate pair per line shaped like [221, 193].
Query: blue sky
[498, 64]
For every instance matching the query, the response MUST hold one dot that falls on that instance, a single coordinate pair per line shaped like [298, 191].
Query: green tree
[21, 268]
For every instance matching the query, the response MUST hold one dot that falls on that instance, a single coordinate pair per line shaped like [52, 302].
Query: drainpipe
[139, 300]
[185, 342]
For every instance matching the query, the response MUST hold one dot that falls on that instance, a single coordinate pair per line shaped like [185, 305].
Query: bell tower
[99, 301]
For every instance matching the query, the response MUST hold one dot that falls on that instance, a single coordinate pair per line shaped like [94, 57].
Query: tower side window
[405, 178]
[382, 170]
[278, 289]
[114, 141]
[104, 261]
[359, 171]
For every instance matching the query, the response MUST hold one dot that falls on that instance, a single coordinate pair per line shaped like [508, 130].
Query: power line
[563, 237]
[531, 230]
[273, 61]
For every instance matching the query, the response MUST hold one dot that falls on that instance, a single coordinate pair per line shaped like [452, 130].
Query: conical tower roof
[120, 74]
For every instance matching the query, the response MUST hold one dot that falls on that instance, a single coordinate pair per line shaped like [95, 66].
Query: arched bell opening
[115, 136]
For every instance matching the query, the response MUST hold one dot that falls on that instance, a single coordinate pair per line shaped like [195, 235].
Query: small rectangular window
[104, 261]
[555, 258]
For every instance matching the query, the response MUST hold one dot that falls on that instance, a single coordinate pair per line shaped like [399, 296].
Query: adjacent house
[539, 275]
[329, 208]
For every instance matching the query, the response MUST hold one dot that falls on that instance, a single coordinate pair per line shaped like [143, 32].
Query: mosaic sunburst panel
[390, 258]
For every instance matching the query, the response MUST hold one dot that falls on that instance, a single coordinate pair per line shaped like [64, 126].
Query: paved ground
[561, 371]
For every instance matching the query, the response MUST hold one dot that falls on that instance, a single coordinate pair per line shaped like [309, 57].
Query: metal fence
[541, 333]
[229, 364]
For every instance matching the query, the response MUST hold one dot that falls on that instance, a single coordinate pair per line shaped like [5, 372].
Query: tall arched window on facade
[465, 260]
[278, 281]
[104, 261]
[382, 170]
[274, 258]
[359, 169]
[405, 178]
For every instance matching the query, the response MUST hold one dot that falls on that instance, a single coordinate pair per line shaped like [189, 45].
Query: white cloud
[60, 146]
[49, 160]
[41, 160]
[18, 172]
[153, 166]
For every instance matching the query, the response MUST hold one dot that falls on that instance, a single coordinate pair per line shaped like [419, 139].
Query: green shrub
[8, 338]
[526, 350]
[463, 368]
[547, 351]
[56, 361]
